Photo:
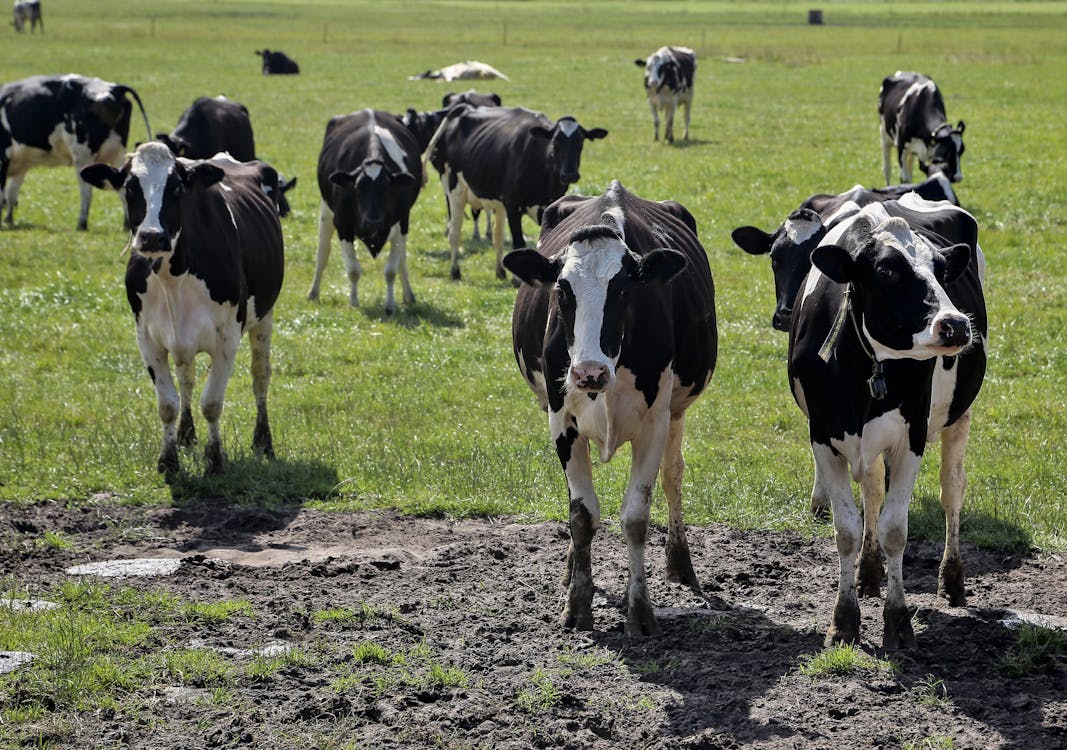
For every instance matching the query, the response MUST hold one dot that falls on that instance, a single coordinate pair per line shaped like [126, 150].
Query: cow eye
[888, 274]
[564, 296]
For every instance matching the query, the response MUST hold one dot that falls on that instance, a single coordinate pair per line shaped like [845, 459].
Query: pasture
[425, 412]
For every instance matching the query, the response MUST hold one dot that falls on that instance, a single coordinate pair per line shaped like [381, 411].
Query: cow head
[471, 97]
[422, 124]
[368, 190]
[790, 249]
[660, 71]
[594, 277]
[153, 185]
[284, 186]
[565, 141]
[177, 145]
[946, 149]
[898, 279]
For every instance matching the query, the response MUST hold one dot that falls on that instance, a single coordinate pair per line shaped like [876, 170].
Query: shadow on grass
[414, 315]
[926, 521]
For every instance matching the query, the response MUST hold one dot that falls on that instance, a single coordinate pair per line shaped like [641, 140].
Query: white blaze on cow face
[151, 166]
[569, 127]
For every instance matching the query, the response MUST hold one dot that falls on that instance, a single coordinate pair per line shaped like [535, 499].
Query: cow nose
[590, 376]
[153, 241]
[783, 316]
[569, 178]
[954, 331]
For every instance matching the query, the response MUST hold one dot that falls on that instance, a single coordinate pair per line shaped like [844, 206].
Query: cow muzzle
[783, 317]
[591, 377]
[953, 331]
[149, 241]
[569, 178]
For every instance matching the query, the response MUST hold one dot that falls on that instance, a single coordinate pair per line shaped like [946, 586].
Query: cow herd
[614, 327]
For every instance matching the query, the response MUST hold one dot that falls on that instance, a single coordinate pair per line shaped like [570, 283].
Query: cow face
[177, 145]
[152, 185]
[594, 277]
[566, 139]
[368, 191]
[898, 280]
[790, 249]
[946, 149]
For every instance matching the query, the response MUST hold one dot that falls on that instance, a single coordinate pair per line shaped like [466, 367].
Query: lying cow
[471, 70]
[277, 63]
[912, 114]
[205, 267]
[887, 351]
[61, 120]
[508, 159]
[615, 333]
[28, 12]
[669, 74]
[369, 175]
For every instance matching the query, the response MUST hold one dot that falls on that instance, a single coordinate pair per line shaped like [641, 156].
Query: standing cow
[370, 174]
[615, 333]
[510, 160]
[277, 63]
[669, 74]
[912, 115]
[211, 125]
[61, 120]
[887, 351]
[28, 12]
[205, 267]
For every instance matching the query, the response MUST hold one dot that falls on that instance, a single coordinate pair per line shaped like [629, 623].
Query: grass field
[426, 411]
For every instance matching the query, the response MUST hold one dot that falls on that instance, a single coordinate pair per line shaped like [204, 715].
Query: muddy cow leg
[259, 339]
[869, 568]
[953, 484]
[573, 452]
[893, 536]
[833, 468]
[672, 470]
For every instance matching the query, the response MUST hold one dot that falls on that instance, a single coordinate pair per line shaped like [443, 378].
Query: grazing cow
[510, 160]
[277, 63]
[615, 333]
[369, 176]
[61, 120]
[211, 125]
[669, 76]
[28, 11]
[791, 244]
[205, 267]
[912, 115]
[471, 97]
[887, 351]
[471, 70]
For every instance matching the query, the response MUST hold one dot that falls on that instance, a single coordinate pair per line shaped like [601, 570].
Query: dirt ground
[496, 670]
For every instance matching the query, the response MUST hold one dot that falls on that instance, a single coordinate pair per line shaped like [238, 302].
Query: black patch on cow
[564, 443]
[594, 232]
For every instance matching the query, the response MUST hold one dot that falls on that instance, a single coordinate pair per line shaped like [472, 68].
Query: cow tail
[124, 89]
[456, 110]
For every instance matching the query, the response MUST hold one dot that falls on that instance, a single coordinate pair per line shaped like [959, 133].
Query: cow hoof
[680, 569]
[869, 576]
[501, 273]
[213, 460]
[390, 311]
[456, 275]
[898, 631]
[262, 442]
[186, 430]
[640, 622]
[845, 627]
[313, 295]
[572, 621]
[83, 226]
[950, 582]
[168, 464]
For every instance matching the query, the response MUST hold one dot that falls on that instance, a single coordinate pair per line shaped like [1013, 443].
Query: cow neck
[876, 383]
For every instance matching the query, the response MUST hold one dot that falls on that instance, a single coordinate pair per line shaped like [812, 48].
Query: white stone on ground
[136, 568]
[12, 660]
[27, 605]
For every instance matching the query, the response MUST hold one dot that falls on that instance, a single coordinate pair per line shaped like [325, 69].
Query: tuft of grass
[197, 667]
[347, 615]
[215, 612]
[1036, 649]
[264, 667]
[54, 540]
[374, 653]
[842, 660]
[541, 695]
[930, 691]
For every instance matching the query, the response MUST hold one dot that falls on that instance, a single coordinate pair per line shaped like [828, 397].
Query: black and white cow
[471, 97]
[669, 74]
[912, 114]
[791, 244]
[205, 267]
[887, 351]
[510, 160]
[28, 12]
[615, 333]
[61, 120]
[370, 174]
[277, 63]
[470, 70]
[211, 125]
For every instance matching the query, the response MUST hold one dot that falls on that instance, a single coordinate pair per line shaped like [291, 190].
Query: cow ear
[640, 63]
[344, 178]
[595, 134]
[284, 185]
[102, 176]
[834, 261]
[496, 98]
[660, 265]
[752, 240]
[532, 267]
[961, 127]
[957, 258]
[538, 131]
[203, 175]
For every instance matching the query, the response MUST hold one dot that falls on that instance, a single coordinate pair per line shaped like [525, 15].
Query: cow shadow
[414, 316]
[253, 480]
[691, 143]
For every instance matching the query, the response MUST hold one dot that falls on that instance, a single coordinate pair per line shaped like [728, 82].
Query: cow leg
[655, 118]
[518, 241]
[259, 341]
[672, 469]
[323, 254]
[475, 213]
[186, 380]
[687, 104]
[869, 568]
[887, 152]
[11, 196]
[86, 191]
[354, 271]
[906, 157]
[457, 201]
[668, 130]
[953, 484]
[845, 626]
[820, 498]
[156, 360]
[397, 261]
[213, 397]
[647, 455]
[573, 452]
[893, 535]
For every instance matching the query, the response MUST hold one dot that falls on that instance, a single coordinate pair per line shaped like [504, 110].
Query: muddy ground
[496, 670]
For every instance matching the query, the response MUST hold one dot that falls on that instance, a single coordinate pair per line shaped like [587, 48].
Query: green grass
[427, 412]
[1036, 649]
[842, 660]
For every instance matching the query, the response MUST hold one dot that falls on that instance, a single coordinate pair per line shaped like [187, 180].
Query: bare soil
[485, 597]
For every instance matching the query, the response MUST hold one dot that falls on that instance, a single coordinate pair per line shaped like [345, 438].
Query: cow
[369, 174]
[28, 11]
[471, 70]
[614, 331]
[205, 267]
[211, 125]
[791, 244]
[912, 115]
[61, 120]
[471, 97]
[277, 63]
[511, 160]
[669, 74]
[887, 351]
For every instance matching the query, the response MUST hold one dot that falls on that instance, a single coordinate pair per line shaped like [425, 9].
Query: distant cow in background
[28, 11]
[669, 76]
[277, 63]
[471, 97]
[471, 70]
[61, 120]
[912, 114]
